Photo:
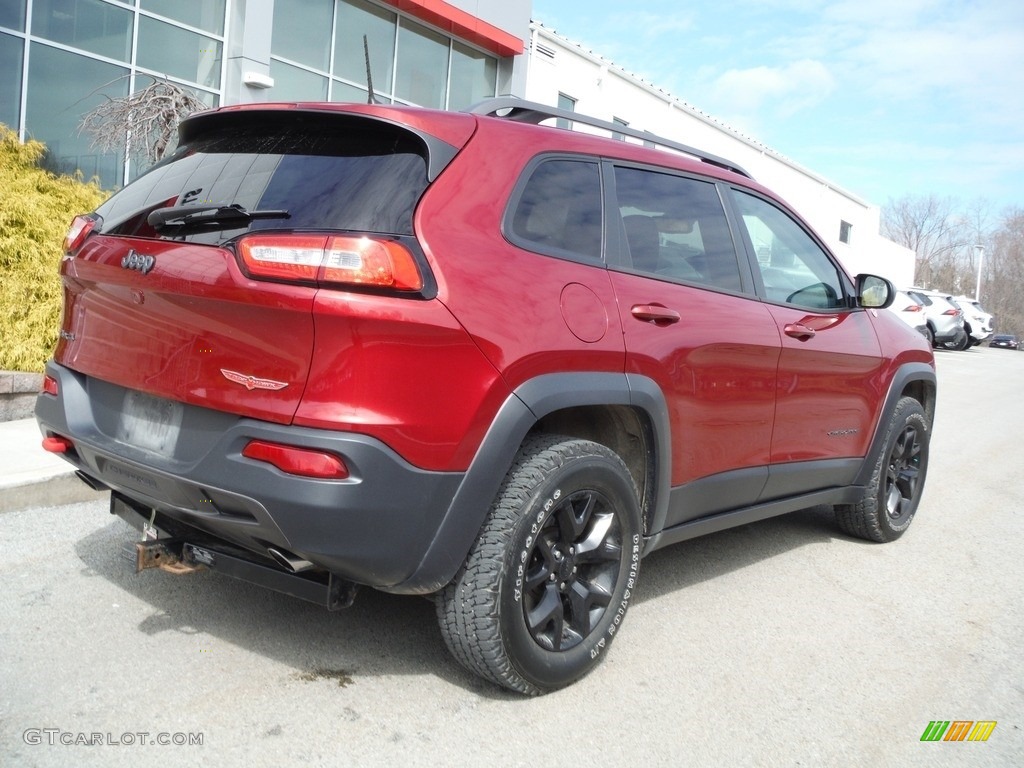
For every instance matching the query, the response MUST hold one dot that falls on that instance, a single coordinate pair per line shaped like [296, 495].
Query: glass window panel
[345, 92]
[794, 268]
[474, 75]
[302, 31]
[294, 84]
[676, 228]
[87, 24]
[567, 103]
[422, 73]
[62, 87]
[11, 49]
[175, 51]
[138, 163]
[355, 19]
[205, 14]
[559, 211]
[12, 14]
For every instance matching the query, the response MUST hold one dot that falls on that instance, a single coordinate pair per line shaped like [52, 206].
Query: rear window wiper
[212, 216]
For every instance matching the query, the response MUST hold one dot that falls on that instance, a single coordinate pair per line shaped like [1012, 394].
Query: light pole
[980, 251]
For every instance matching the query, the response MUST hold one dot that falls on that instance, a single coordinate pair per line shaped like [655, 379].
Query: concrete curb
[51, 492]
[29, 476]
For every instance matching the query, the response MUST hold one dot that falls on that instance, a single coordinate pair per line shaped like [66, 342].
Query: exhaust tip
[290, 562]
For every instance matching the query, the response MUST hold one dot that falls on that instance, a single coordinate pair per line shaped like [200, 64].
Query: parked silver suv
[945, 319]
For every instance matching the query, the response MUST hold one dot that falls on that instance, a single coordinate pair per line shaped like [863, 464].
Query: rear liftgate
[177, 555]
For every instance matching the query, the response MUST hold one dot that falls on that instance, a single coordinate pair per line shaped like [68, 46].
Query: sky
[884, 98]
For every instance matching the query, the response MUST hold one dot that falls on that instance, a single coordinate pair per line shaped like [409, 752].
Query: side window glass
[795, 270]
[676, 228]
[559, 210]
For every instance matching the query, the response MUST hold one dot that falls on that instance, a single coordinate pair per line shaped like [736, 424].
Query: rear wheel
[894, 492]
[547, 583]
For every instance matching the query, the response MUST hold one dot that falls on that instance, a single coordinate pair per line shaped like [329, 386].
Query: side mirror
[874, 292]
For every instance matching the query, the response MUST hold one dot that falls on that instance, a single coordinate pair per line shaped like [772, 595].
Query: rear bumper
[373, 528]
[948, 332]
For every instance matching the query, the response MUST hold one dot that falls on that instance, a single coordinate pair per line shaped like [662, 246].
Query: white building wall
[603, 90]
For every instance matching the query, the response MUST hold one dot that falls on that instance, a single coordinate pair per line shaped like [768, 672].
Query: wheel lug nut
[552, 577]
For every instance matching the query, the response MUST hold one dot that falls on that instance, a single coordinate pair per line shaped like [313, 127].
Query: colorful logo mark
[958, 730]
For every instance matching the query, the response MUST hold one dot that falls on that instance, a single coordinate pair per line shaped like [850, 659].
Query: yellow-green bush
[36, 208]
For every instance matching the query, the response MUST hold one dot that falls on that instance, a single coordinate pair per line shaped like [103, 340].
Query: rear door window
[327, 173]
[676, 228]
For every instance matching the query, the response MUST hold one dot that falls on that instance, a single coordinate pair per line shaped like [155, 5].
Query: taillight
[341, 260]
[952, 311]
[77, 233]
[912, 308]
[297, 461]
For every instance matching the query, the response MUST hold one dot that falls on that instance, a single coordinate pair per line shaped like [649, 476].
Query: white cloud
[782, 90]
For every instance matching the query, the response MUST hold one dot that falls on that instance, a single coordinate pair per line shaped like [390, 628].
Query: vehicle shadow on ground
[382, 634]
[693, 562]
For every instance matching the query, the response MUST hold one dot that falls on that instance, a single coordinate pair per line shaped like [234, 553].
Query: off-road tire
[894, 492]
[546, 586]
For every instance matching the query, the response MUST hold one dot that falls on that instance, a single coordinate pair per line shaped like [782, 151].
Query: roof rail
[521, 111]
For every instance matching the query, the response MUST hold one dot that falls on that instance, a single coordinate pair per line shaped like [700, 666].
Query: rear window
[328, 173]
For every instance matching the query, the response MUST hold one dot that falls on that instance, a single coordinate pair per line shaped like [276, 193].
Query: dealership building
[61, 58]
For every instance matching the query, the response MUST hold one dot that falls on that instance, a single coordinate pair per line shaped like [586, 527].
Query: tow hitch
[171, 555]
[175, 555]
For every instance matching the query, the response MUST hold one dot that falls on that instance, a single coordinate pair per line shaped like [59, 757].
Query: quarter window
[559, 210]
[794, 268]
[676, 228]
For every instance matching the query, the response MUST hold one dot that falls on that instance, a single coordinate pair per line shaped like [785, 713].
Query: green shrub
[36, 208]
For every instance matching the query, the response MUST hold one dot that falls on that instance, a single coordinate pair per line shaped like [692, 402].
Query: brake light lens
[80, 229]
[952, 311]
[348, 260]
[913, 308]
[297, 461]
[50, 386]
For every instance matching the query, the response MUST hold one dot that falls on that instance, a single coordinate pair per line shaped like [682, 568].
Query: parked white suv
[977, 322]
[910, 311]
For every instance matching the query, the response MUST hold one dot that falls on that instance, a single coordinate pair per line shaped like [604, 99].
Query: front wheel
[890, 501]
[545, 587]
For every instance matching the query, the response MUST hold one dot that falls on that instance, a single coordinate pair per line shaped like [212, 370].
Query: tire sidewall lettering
[536, 514]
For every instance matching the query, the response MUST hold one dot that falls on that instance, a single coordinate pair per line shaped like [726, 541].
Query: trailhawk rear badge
[251, 382]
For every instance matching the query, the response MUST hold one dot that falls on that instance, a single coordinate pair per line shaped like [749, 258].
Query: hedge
[36, 208]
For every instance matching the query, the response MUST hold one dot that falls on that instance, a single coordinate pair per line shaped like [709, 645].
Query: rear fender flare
[529, 403]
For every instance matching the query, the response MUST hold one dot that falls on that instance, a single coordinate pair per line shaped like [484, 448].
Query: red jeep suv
[470, 356]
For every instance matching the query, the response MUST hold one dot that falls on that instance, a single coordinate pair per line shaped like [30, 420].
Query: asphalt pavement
[779, 643]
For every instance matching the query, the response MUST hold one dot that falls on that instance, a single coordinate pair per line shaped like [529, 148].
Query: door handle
[655, 313]
[798, 331]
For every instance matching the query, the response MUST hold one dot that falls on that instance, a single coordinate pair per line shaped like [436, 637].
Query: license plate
[148, 422]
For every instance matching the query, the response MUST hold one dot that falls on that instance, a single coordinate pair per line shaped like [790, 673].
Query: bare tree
[929, 227]
[143, 124]
[1003, 283]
